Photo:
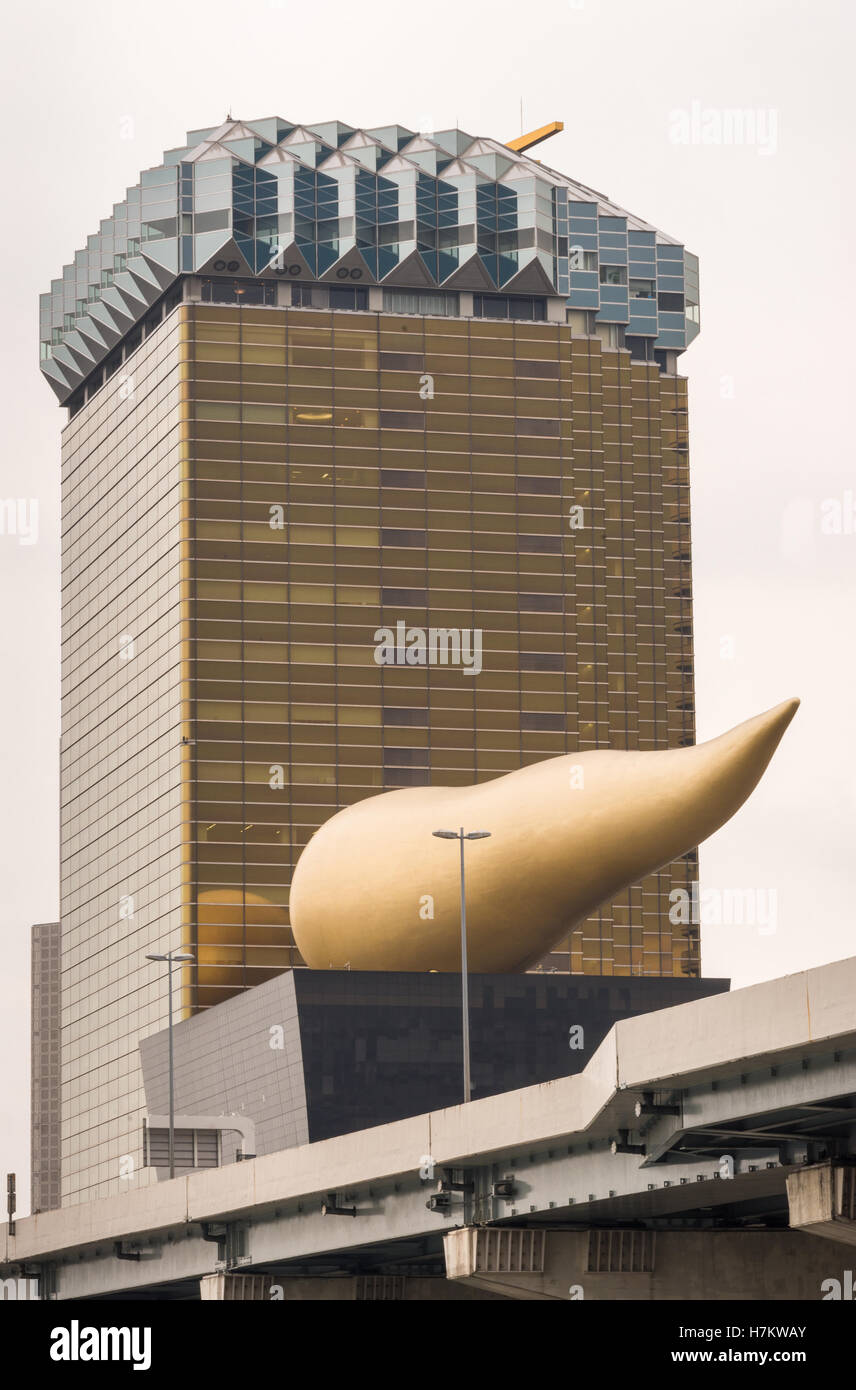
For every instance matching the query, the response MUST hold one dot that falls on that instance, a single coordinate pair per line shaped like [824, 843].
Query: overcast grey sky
[94, 91]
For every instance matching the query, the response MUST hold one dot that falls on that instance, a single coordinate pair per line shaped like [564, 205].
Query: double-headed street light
[172, 958]
[461, 836]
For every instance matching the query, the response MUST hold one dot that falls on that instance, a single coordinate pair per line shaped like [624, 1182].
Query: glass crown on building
[386, 206]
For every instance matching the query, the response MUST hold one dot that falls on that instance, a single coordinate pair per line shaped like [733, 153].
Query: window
[406, 777]
[642, 289]
[541, 603]
[348, 297]
[578, 259]
[551, 428]
[641, 349]
[211, 221]
[113, 363]
[540, 487]
[542, 661]
[395, 536]
[415, 302]
[504, 306]
[310, 296]
[403, 477]
[238, 292]
[405, 598]
[158, 228]
[402, 361]
[310, 416]
[405, 757]
[95, 382]
[613, 275]
[342, 417]
[674, 303]
[401, 420]
[540, 545]
[330, 297]
[400, 717]
[554, 723]
[547, 371]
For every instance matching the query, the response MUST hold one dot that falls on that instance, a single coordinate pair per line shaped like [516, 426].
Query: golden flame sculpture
[376, 890]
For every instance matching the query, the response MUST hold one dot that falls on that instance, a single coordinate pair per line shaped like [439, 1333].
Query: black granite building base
[316, 1053]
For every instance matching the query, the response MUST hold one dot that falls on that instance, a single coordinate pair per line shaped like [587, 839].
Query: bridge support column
[246, 1288]
[822, 1200]
[613, 1265]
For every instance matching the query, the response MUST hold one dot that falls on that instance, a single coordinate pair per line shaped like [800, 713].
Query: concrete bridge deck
[738, 1091]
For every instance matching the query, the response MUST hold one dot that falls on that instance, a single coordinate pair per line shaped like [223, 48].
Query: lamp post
[460, 835]
[172, 958]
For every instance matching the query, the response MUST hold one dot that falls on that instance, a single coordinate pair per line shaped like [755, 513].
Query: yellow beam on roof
[525, 142]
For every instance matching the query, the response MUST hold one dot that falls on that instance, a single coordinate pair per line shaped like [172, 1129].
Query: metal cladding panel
[423, 209]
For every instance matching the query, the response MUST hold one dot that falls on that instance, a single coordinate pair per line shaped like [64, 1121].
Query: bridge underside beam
[386, 1288]
[642, 1264]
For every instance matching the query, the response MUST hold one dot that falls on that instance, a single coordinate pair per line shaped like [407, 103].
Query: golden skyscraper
[322, 385]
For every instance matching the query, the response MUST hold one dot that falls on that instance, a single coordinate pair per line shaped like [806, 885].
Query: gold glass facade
[246, 505]
[351, 472]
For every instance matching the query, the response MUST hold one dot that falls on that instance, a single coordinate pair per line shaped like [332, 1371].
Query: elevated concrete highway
[700, 1154]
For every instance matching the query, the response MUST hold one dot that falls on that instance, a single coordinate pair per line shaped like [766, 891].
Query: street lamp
[172, 959]
[461, 836]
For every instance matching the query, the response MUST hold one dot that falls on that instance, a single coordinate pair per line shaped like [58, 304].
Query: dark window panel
[405, 757]
[398, 716]
[535, 723]
[244, 292]
[408, 598]
[541, 603]
[542, 661]
[402, 361]
[396, 536]
[403, 477]
[406, 777]
[402, 420]
[540, 487]
[547, 371]
[550, 428]
[540, 545]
